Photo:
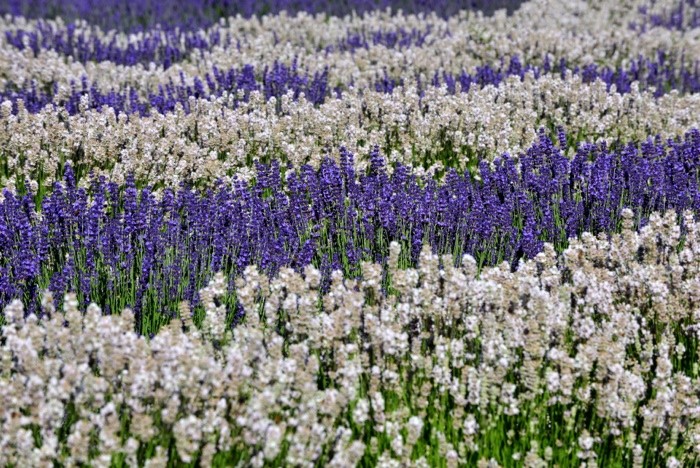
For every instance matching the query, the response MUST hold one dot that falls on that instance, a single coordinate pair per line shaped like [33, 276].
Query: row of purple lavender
[194, 14]
[152, 253]
[660, 74]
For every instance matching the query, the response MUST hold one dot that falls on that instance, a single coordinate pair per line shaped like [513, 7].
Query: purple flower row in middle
[122, 239]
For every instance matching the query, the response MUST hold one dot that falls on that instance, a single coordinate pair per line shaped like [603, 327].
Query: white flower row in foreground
[589, 356]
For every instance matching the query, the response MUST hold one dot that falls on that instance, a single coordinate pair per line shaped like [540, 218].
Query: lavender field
[362, 233]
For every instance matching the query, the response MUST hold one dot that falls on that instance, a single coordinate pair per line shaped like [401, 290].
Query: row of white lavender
[217, 141]
[589, 358]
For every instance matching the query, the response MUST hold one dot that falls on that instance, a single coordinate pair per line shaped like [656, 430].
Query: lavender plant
[158, 46]
[111, 14]
[683, 15]
[661, 75]
[589, 357]
[165, 47]
[275, 81]
[123, 247]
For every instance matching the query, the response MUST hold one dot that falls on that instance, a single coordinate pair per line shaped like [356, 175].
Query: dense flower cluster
[658, 76]
[156, 45]
[297, 87]
[432, 131]
[151, 252]
[198, 13]
[370, 232]
[601, 344]
[682, 15]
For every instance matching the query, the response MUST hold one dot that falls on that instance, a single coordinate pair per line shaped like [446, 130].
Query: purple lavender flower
[126, 248]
